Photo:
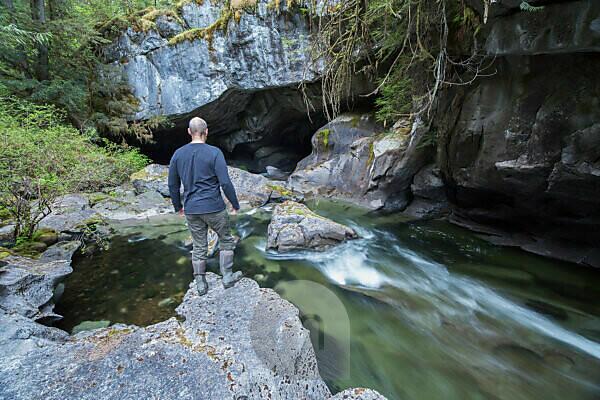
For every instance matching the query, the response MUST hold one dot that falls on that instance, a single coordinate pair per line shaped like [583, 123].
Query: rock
[276, 173]
[61, 251]
[358, 394]
[295, 226]
[30, 249]
[46, 236]
[521, 153]
[27, 286]
[240, 350]
[574, 28]
[354, 160]
[428, 184]
[7, 233]
[68, 214]
[152, 178]
[89, 326]
[127, 205]
[429, 195]
[253, 190]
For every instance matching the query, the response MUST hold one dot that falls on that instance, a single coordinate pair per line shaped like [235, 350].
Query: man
[203, 171]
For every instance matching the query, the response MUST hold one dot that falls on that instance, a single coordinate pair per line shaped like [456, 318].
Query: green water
[413, 310]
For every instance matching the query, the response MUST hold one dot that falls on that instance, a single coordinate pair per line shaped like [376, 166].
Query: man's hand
[181, 212]
[233, 211]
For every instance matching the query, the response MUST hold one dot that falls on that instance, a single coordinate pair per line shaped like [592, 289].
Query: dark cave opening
[253, 129]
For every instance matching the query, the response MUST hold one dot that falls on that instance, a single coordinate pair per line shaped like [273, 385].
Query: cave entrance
[255, 130]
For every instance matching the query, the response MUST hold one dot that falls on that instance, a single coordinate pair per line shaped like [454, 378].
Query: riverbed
[423, 310]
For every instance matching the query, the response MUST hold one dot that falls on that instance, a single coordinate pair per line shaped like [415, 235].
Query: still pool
[430, 311]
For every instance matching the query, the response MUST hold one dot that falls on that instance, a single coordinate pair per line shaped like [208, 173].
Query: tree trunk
[38, 11]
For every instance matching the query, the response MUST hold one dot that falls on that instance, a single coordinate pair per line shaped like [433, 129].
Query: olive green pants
[198, 225]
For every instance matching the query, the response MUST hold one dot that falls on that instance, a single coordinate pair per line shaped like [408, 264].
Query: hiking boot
[200, 276]
[226, 265]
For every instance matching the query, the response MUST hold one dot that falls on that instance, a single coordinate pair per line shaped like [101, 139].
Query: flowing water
[414, 310]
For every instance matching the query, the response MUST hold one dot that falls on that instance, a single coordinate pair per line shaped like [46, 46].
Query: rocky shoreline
[241, 343]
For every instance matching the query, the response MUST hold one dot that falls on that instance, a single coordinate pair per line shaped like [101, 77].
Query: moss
[4, 252]
[324, 135]
[5, 214]
[230, 10]
[30, 249]
[355, 121]
[280, 189]
[207, 33]
[371, 154]
[46, 236]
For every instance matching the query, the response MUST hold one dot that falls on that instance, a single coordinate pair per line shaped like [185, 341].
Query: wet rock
[89, 326]
[358, 394]
[574, 28]
[152, 178]
[531, 165]
[295, 226]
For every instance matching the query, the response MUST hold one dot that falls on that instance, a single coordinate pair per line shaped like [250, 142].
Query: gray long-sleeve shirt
[203, 171]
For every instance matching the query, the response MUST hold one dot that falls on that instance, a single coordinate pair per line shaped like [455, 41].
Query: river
[419, 311]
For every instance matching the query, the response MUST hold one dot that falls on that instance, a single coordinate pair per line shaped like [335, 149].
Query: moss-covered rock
[46, 236]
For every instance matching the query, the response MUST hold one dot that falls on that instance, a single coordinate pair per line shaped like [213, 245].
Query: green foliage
[413, 48]
[395, 98]
[42, 157]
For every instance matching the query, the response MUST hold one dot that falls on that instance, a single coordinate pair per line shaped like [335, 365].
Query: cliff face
[238, 68]
[524, 149]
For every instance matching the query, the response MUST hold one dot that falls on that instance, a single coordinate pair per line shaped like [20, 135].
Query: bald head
[198, 127]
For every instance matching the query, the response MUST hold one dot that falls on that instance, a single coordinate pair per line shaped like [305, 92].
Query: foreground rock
[358, 394]
[295, 226]
[228, 347]
[30, 287]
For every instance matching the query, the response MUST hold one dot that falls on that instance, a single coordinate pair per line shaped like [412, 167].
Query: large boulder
[227, 347]
[354, 159]
[295, 226]
[152, 178]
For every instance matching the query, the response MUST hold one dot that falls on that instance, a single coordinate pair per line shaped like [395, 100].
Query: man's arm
[175, 185]
[225, 181]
